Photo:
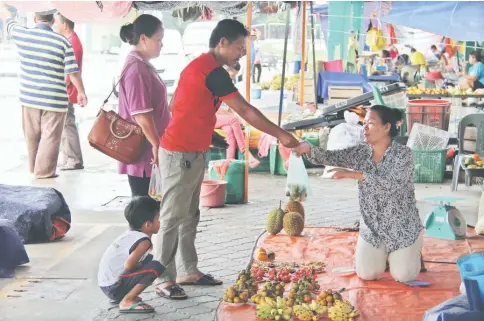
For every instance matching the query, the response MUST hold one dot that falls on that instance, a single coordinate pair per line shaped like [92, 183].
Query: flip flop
[206, 279]
[133, 308]
[173, 292]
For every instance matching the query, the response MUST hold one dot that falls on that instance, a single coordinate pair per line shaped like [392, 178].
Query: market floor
[60, 282]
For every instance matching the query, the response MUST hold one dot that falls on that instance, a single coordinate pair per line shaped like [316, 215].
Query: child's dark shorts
[146, 274]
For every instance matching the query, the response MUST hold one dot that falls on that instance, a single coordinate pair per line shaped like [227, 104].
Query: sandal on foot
[139, 307]
[172, 292]
[206, 279]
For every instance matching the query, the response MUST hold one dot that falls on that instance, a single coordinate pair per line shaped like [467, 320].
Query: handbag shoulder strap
[117, 83]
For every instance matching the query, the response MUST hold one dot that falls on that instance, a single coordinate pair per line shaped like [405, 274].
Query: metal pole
[303, 54]
[281, 97]
[315, 74]
[247, 97]
[284, 56]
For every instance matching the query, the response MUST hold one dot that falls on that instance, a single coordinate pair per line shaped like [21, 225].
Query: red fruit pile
[282, 275]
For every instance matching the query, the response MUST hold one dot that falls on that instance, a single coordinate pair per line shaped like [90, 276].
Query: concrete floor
[60, 281]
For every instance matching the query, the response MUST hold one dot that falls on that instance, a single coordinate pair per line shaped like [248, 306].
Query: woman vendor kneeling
[390, 227]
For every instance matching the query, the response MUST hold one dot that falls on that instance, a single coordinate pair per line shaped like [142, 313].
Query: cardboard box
[308, 91]
[337, 94]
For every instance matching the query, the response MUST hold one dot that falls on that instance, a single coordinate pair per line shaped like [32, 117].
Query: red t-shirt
[77, 48]
[203, 85]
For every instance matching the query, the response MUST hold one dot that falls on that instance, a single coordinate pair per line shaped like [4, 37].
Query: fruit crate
[430, 112]
[429, 165]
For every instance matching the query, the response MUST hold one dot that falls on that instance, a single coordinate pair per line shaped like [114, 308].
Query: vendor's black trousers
[139, 185]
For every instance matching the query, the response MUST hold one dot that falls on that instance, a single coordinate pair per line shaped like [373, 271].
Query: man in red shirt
[71, 146]
[204, 84]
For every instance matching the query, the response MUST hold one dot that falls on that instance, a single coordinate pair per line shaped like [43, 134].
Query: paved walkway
[60, 282]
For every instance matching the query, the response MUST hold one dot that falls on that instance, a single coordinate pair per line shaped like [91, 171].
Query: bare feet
[253, 162]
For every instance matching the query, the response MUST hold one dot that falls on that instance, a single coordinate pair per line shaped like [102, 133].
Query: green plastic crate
[429, 165]
[276, 169]
[214, 154]
[234, 193]
[265, 163]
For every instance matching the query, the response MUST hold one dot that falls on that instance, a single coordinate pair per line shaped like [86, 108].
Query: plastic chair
[478, 121]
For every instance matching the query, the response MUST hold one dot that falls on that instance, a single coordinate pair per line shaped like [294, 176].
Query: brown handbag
[116, 137]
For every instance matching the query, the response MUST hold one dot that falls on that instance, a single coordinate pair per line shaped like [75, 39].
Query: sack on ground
[344, 135]
[297, 183]
[155, 191]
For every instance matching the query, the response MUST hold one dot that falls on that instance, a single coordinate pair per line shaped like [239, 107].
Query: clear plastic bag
[297, 183]
[155, 191]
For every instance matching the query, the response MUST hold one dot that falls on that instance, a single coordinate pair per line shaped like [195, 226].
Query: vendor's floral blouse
[387, 194]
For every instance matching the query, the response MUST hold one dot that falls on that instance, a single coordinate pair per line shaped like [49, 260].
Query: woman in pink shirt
[142, 96]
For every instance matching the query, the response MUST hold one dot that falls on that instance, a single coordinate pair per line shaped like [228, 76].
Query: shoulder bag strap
[117, 83]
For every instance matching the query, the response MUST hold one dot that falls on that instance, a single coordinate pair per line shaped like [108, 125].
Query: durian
[293, 223]
[274, 220]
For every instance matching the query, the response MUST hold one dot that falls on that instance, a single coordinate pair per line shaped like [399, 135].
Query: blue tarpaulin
[459, 20]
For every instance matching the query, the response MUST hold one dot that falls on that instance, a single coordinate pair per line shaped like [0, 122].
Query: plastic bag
[297, 183]
[344, 135]
[154, 190]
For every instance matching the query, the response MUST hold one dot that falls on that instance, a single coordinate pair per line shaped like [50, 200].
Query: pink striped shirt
[141, 91]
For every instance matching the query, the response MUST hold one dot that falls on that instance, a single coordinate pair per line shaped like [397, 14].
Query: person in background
[204, 84]
[70, 143]
[393, 52]
[387, 60]
[390, 224]
[257, 58]
[435, 52]
[474, 78]
[417, 58]
[126, 268]
[46, 58]
[230, 124]
[142, 96]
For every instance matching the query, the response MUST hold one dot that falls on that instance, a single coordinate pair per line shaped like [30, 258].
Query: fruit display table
[384, 299]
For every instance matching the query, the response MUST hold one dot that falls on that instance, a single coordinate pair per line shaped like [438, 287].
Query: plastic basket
[398, 100]
[430, 112]
[429, 165]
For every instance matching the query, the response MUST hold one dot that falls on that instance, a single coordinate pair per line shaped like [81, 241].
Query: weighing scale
[445, 221]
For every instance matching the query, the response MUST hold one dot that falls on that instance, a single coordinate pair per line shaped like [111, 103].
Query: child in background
[126, 268]
[230, 124]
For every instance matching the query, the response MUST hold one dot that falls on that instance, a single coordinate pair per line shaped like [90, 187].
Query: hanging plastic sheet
[460, 20]
[229, 8]
[78, 11]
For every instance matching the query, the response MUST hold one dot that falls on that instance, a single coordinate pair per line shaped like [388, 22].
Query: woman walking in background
[256, 56]
[142, 96]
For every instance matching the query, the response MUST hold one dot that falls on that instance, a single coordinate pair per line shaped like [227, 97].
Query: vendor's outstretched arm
[257, 119]
[347, 158]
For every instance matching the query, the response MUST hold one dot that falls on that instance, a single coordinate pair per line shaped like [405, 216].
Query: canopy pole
[283, 76]
[303, 54]
[315, 74]
[284, 58]
[247, 97]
